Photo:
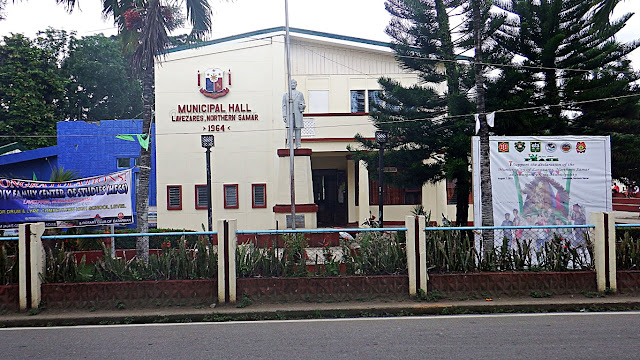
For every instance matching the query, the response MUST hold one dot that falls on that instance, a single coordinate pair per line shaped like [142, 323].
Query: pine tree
[569, 63]
[429, 141]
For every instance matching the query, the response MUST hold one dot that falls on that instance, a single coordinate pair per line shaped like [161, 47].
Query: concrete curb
[318, 310]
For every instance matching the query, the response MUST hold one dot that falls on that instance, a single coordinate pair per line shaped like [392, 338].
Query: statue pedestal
[306, 210]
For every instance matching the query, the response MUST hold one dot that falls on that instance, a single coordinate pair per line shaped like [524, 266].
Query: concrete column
[410, 224]
[604, 250]
[222, 248]
[422, 251]
[363, 185]
[227, 244]
[31, 264]
[416, 253]
[231, 248]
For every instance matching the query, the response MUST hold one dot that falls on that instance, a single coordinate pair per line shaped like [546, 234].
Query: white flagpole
[290, 119]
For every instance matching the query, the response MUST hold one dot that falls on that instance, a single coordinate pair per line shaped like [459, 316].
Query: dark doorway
[330, 194]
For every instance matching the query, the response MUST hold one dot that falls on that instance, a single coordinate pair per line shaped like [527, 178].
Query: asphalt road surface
[517, 336]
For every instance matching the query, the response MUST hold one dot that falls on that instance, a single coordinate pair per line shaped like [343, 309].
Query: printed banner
[99, 200]
[546, 180]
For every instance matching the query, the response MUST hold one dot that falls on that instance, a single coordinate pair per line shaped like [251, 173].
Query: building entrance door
[330, 194]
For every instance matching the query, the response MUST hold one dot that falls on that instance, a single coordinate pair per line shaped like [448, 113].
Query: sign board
[545, 180]
[98, 200]
[299, 221]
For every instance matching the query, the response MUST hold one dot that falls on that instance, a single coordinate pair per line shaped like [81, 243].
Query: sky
[360, 18]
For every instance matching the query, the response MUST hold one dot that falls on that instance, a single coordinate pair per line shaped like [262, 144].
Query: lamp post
[381, 138]
[207, 143]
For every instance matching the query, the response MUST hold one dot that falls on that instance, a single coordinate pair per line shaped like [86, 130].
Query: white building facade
[232, 88]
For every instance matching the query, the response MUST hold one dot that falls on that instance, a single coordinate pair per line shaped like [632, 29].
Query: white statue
[297, 107]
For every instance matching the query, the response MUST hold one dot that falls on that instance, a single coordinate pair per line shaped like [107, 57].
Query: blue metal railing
[510, 227]
[318, 231]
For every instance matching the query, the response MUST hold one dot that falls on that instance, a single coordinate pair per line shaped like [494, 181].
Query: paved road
[522, 336]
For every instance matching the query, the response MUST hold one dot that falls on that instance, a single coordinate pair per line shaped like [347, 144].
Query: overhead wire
[263, 38]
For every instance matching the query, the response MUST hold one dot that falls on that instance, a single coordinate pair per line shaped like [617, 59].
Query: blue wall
[24, 165]
[93, 149]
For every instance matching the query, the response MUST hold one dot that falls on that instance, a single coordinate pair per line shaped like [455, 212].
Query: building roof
[11, 148]
[281, 29]
[29, 155]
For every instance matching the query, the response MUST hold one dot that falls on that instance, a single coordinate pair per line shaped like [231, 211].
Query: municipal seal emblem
[214, 86]
[581, 147]
[520, 146]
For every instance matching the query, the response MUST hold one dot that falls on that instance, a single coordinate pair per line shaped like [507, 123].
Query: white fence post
[231, 248]
[227, 243]
[410, 224]
[31, 264]
[604, 250]
[222, 248]
[416, 254]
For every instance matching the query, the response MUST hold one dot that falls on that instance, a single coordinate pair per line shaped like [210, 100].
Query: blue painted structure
[88, 148]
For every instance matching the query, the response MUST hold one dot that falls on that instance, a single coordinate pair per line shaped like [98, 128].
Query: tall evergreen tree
[428, 139]
[569, 61]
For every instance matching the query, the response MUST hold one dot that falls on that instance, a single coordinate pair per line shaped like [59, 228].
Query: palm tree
[144, 26]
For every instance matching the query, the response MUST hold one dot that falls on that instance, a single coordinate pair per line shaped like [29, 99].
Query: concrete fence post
[31, 264]
[231, 250]
[410, 224]
[227, 243]
[416, 253]
[604, 250]
[222, 249]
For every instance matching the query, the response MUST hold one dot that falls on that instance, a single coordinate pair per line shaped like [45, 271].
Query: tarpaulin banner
[545, 180]
[98, 200]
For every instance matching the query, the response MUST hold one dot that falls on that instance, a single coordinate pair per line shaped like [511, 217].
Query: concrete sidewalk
[569, 303]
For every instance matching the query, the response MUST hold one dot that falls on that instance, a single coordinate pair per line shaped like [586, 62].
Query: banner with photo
[545, 180]
[98, 200]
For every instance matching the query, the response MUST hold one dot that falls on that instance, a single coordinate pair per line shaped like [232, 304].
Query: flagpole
[290, 119]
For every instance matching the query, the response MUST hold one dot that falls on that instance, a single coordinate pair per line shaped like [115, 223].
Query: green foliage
[31, 90]
[8, 265]
[374, 253]
[295, 255]
[244, 301]
[450, 251]
[432, 296]
[197, 261]
[571, 61]
[628, 251]
[252, 261]
[62, 266]
[100, 85]
[413, 116]
[454, 251]
[544, 294]
[59, 174]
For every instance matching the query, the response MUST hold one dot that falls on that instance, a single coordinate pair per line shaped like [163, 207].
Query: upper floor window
[358, 101]
[362, 100]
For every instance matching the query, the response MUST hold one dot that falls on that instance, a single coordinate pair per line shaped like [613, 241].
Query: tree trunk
[485, 170]
[142, 190]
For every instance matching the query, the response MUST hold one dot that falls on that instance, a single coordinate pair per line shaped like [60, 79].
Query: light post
[207, 143]
[381, 138]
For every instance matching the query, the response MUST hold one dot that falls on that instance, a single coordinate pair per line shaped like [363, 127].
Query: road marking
[254, 322]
